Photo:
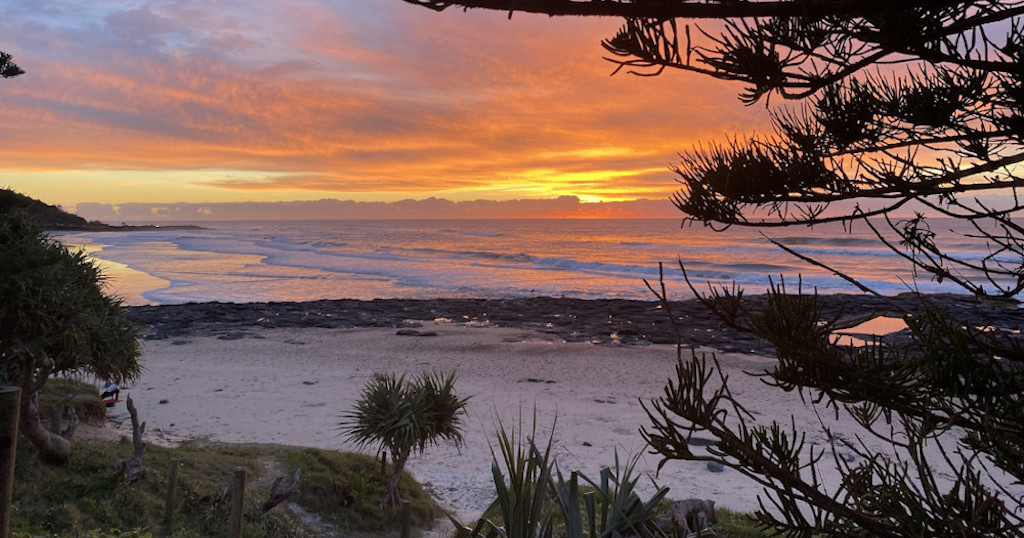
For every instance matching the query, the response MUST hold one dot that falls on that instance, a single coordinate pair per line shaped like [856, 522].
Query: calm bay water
[300, 261]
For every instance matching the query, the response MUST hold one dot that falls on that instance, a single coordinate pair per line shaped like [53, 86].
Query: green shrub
[87, 403]
[87, 497]
[535, 500]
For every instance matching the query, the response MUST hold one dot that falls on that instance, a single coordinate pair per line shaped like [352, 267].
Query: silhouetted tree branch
[709, 9]
[8, 68]
[896, 105]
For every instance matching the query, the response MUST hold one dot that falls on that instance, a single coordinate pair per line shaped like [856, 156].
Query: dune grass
[338, 495]
[86, 401]
[339, 492]
[88, 494]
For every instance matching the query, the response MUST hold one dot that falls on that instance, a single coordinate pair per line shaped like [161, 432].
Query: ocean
[421, 259]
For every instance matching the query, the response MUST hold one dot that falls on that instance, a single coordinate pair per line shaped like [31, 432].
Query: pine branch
[669, 10]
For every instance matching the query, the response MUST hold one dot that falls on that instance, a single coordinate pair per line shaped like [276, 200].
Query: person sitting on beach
[111, 394]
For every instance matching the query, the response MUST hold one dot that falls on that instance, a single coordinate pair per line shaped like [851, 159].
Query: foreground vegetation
[338, 493]
[87, 498]
[905, 118]
[404, 416]
[56, 319]
[534, 499]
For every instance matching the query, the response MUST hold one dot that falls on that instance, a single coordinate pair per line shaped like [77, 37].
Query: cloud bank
[357, 99]
[330, 209]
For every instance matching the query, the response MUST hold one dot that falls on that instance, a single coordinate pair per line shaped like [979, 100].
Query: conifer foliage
[879, 108]
[8, 68]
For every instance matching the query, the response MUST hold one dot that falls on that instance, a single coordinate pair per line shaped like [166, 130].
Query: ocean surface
[301, 261]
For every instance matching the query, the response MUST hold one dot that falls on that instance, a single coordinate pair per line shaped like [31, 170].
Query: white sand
[290, 385]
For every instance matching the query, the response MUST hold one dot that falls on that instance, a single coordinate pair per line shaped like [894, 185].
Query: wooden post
[10, 405]
[172, 484]
[237, 503]
[406, 519]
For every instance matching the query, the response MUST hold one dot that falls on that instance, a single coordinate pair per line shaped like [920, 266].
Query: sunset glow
[355, 100]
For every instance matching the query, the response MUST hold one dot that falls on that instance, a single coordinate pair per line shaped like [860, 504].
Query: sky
[199, 101]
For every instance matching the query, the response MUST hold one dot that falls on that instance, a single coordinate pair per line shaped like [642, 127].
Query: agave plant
[534, 500]
[612, 507]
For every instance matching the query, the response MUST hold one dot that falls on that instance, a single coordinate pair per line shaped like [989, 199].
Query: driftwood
[132, 467]
[56, 411]
[73, 423]
[278, 493]
[224, 495]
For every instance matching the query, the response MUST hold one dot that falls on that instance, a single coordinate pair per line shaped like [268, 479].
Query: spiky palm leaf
[403, 417]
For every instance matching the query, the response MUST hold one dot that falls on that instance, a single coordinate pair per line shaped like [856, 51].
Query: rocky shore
[602, 321]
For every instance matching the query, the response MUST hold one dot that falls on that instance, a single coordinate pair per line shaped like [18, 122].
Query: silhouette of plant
[55, 319]
[403, 417]
[904, 107]
[8, 68]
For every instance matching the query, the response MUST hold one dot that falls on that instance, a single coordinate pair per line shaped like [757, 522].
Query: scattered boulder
[414, 332]
[716, 467]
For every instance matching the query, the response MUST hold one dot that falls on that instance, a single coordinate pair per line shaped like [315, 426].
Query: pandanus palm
[403, 417]
[55, 319]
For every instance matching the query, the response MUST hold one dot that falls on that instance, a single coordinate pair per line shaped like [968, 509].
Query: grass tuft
[86, 497]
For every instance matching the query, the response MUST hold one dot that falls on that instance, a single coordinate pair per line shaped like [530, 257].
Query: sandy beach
[290, 386]
[215, 377]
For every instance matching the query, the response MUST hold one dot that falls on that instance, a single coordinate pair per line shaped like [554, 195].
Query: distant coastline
[95, 226]
[54, 219]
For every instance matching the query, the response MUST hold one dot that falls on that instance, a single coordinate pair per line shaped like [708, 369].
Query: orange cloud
[328, 98]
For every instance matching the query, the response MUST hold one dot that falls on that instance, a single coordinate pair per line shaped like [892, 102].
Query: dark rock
[414, 332]
[716, 467]
[573, 320]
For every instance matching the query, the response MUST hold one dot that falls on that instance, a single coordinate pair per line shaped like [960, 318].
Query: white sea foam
[297, 261]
